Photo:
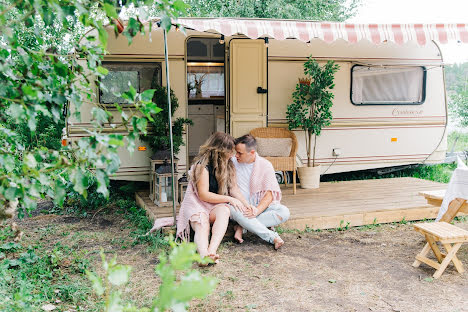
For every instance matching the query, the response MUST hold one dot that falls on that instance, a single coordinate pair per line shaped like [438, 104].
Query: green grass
[121, 201]
[461, 144]
[141, 224]
[31, 276]
[438, 173]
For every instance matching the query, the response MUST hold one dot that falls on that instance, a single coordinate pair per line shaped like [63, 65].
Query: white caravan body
[367, 131]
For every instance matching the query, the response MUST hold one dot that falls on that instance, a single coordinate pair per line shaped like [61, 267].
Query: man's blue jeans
[272, 216]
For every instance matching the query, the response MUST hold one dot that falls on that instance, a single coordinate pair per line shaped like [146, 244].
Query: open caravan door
[248, 85]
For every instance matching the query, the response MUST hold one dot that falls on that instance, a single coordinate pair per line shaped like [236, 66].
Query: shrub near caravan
[389, 106]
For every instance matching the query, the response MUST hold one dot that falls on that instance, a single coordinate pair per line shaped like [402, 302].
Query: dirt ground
[360, 269]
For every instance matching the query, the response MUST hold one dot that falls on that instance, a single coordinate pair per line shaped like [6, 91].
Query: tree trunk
[315, 145]
[311, 116]
[309, 148]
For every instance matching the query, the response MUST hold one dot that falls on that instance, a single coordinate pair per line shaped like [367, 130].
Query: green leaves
[100, 115]
[158, 138]
[80, 181]
[102, 70]
[176, 294]
[110, 10]
[179, 282]
[103, 182]
[134, 26]
[60, 193]
[102, 34]
[318, 10]
[147, 95]
[118, 274]
[96, 282]
[311, 107]
[48, 73]
[166, 22]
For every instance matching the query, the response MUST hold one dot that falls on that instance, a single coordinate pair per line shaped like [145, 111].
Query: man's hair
[249, 142]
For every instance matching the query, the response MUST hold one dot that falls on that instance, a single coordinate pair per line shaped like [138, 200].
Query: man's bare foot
[238, 233]
[278, 242]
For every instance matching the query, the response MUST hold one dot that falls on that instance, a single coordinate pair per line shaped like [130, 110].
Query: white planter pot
[309, 176]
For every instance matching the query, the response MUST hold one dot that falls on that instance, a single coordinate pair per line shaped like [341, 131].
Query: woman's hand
[237, 204]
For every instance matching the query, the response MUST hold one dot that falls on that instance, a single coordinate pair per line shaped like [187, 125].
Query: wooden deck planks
[361, 202]
[335, 204]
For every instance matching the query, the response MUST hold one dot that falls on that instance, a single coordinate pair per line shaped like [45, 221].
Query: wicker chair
[280, 163]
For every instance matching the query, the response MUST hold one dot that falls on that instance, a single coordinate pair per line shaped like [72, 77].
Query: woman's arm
[203, 189]
[236, 193]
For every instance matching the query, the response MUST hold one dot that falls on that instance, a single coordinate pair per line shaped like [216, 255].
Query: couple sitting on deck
[243, 187]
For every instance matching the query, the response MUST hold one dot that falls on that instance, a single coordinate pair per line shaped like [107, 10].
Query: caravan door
[248, 85]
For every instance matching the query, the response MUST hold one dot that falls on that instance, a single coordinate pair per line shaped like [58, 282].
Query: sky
[418, 11]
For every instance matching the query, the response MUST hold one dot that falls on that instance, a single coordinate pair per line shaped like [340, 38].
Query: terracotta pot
[309, 177]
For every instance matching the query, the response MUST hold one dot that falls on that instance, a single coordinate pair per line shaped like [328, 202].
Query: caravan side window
[374, 85]
[141, 76]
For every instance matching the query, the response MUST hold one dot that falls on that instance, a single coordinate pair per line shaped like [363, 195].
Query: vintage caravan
[234, 75]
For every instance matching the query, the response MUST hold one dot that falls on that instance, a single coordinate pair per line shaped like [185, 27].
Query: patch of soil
[105, 223]
[353, 270]
[72, 220]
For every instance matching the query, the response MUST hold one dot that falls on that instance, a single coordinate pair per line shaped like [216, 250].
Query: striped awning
[329, 32]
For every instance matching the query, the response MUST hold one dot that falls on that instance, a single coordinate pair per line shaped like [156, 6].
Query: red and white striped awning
[329, 32]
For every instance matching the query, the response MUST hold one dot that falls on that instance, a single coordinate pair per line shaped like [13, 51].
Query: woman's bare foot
[238, 234]
[205, 263]
[214, 257]
[278, 242]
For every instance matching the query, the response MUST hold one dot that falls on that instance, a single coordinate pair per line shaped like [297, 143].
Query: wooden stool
[450, 236]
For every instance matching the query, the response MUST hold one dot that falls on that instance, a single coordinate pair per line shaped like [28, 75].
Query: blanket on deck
[457, 188]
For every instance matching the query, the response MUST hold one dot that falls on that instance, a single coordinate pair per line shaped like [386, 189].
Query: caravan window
[141, 76]
[387, 85]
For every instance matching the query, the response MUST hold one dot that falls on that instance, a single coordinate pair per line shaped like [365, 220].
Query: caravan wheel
[279, 177]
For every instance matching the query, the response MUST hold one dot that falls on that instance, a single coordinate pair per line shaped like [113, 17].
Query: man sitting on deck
[261, 194]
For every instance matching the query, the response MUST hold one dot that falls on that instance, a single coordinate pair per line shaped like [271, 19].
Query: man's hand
[251, 212]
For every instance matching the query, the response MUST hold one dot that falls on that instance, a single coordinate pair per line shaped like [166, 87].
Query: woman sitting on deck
[212, 176]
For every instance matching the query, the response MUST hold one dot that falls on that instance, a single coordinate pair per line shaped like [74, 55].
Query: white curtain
[212, 78]
[387, 85]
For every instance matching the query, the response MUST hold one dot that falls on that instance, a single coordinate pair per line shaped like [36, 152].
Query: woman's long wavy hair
[216, 151]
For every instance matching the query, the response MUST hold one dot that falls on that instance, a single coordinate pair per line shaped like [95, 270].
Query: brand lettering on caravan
[407, 112]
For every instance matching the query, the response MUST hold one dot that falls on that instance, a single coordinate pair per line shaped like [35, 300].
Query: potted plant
[311, 111]
[198, 82]
[190, 87]
[158, 135]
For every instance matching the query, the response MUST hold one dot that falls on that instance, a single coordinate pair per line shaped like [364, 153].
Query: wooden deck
[335, 204]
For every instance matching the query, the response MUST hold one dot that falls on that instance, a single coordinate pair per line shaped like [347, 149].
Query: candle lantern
[183, 183]
[162, 186]
[158, 160]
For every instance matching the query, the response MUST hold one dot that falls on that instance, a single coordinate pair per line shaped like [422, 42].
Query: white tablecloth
[457, 188]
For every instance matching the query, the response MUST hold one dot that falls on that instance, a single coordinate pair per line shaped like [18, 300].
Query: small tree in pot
[311, 111]
[158, 136]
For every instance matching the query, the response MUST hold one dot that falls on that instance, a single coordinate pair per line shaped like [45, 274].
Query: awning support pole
[168, 84]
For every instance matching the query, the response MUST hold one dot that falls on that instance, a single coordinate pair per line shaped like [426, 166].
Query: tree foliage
[456, 76]
[320, 10]
[41, 76]
[457, 88]
[459, 104]
[312, 102]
